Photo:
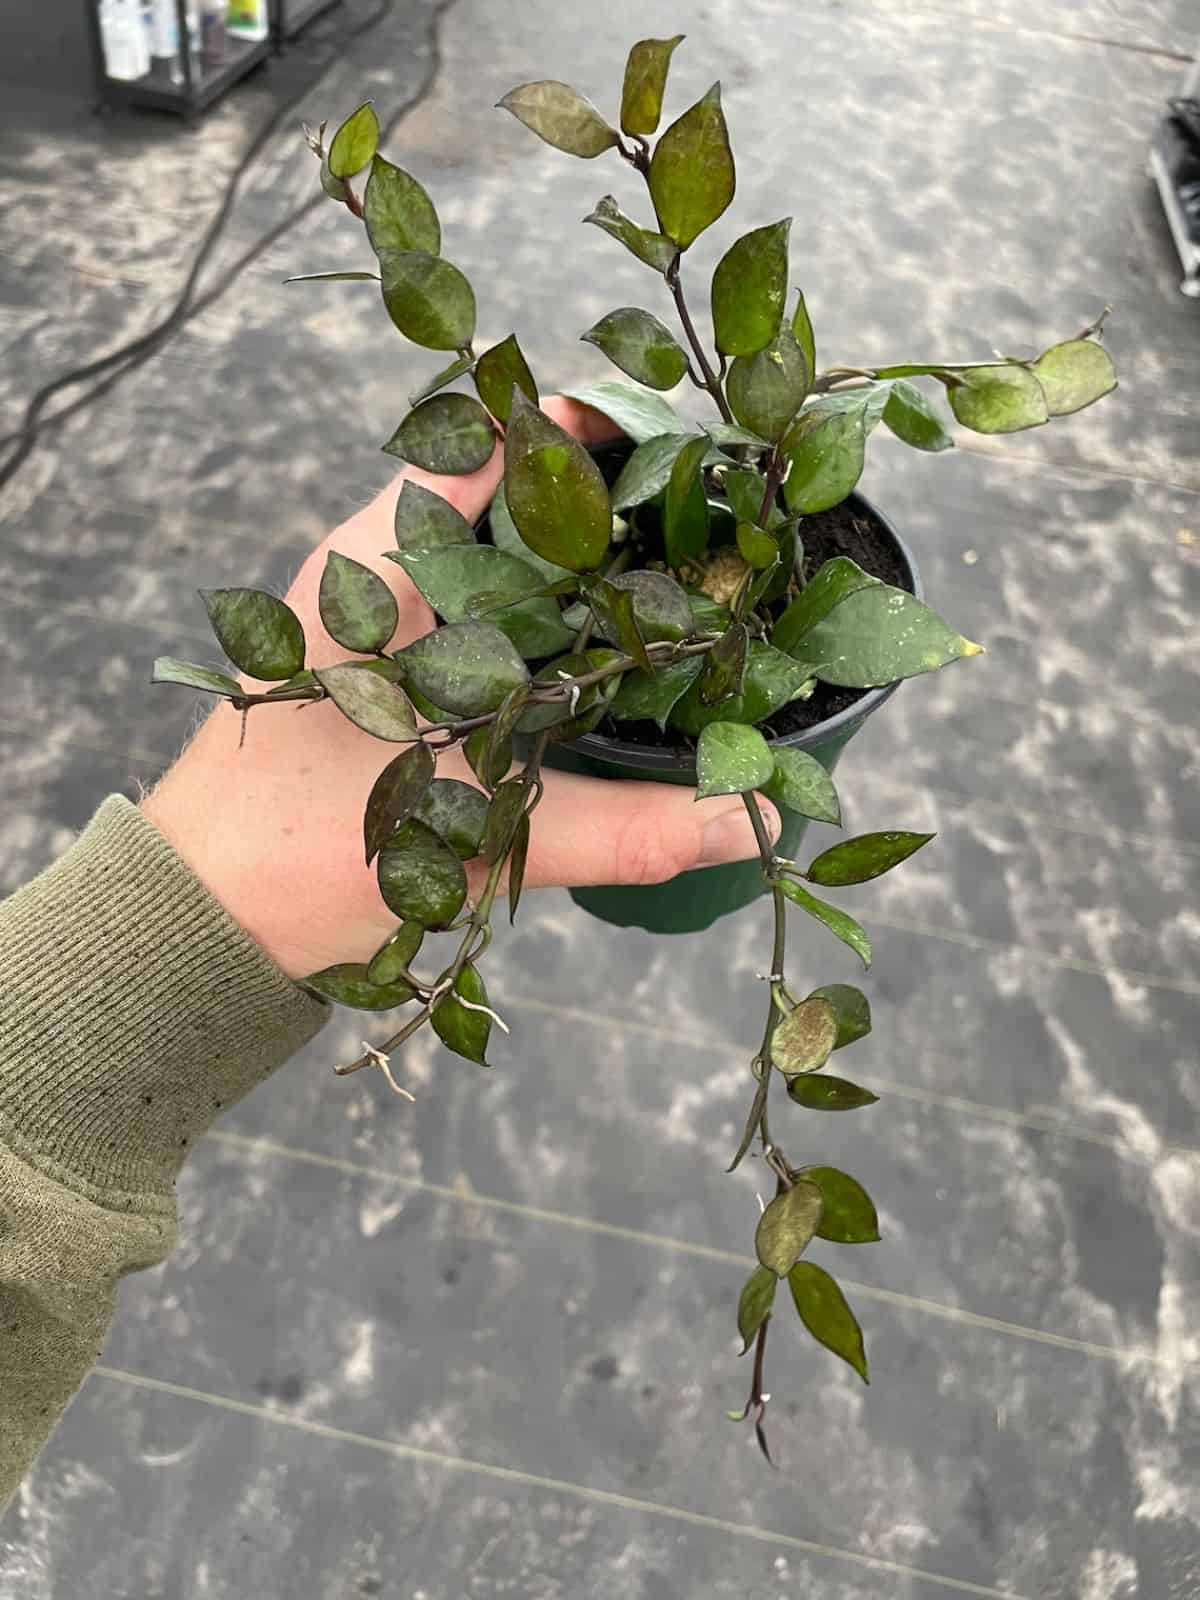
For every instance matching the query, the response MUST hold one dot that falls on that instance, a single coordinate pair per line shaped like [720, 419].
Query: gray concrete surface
[482, 1346]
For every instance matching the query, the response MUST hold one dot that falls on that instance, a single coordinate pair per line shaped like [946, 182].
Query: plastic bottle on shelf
[247, 19]
[163, 29]
[123, 39]
[212, 32]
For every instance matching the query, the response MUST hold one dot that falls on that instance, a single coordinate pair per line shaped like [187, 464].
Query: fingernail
[730, 836]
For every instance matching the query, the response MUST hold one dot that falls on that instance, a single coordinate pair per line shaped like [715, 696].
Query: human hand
[274, 829]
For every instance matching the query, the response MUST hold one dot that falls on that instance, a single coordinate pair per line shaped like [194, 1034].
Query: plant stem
[711, 382]
[776, 468]
[778, 955]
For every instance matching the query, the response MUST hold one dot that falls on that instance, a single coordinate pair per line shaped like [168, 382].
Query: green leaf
[642, 416]
[746, 490]
[421, 879]
[691, 171]
[709, 615]
[355, 142]
[495, 373]
[443, 379]
[640, 345]
[839, 923]
[398, 213]
[301, 680]
[802, 784]
[754, 1304]
[660, 606]
[802, 328]
[647, 471]
[787, 1226]
[424, 519]
[394, 958]
[349, 985]
[168, 669]
[826, 451]
[757, 548]
[749, 289]
[731, 759]
[1004, 398]
[878, 634]
[466, 668]
[369, 701]
[827, 588]
[645, 83]
[464, 1031]
[869, 398]
[848, 1213]
[766, 390]
[452, 576]
[592, 703]
[506, 538]
[868, 856]
[451, 433]
[490, 749]
[555, 491]
[725, 669]
[823, 1311]
[804, 1039]
[358, 610]
[820, 1092]
[772, 680]
[655, 249]
[685, 510]
[261, 635]
[503, 814]
[915, 419]
[428, 299]
[517, 857]
[457, 813]
[618, 624]
[562, 117]
[1074, 375]
[728, 433]
[332, 277]
[852, 1009]
[395, 796]
[649, 696]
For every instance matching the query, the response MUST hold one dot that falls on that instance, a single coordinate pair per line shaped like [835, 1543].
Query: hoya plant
[677, 592]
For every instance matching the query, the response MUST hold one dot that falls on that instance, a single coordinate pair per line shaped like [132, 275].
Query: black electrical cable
[132, 354]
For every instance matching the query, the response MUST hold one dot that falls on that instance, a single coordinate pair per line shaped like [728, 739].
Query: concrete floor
[482, 1346]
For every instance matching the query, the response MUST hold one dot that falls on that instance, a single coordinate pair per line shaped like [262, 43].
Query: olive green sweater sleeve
[133, 1010]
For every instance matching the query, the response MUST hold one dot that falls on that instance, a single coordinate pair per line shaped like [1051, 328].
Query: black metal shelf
[291, 16]
[193, 87]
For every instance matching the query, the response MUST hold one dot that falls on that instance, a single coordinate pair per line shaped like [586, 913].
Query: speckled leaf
[802, 784]
[823, 1311]
[428, 299]
[839, 923]
[645, 83]
[490, 749]
[642, 416]
[358, 610]
[731, 758]
[562, 117]
[692, 176]
[913, 417]
[452, 576]
[848, 1214]
[820, 1092]
[754, 1304]
[464, 1031]
[503, 814]
[506, 538]
[827, 588]
[369, 701]
[420, 877]
[618, 624]
[804, 1039]
[349, 985]
[655, 249]
[261, 635]
[495, 373]
[649, 697]
[868, 856]
[395, 957]
[593, 700]
[852, 1009]
[725, 668]
[398, 213]
[685, 510]
[457, 813]
[772, 679]
[878, 634]
[424, 519]
[555, 491]
[826, 451]
[466, 668]
[786, 1227]
[749, 289]
[640, 345]
[802, 328]
[451, 433]
[395, 796]
[443, 379]
[766, 390]
[1074, 375]
[355, 142]
[659, 604]
[1004, 398]
[168, 669]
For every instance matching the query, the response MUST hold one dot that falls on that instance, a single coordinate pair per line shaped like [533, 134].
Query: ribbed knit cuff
[133, 1009]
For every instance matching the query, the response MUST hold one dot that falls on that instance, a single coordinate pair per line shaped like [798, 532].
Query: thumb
[594, 831]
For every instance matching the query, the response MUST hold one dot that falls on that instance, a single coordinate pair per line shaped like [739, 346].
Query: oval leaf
[457, 813]
[731, 759]
[848, 1213]
[802, 784]
[420, 877]
[859, 860]
[562, 117]
[428, 299]
[650, 696]
[495, 373]
[464, 1031]
[369, 701]
[852, 1010]
[660, 606]
[394, 958]
[685, 510]
[772, 680]
[640, 345]
[749, 290]
[261, 635]
[349, 985]
[355, 142]
[804, 1039]
[451, 433]
[642, 416]
[398, 213]
[466, 668]
[757, 548]
[555, 492]
[914, 418]
[358, 610]
[613, 608]
[645, 83]
[826, 451]
[839, 923]
[766, 390]
[506, 538]
[452, 576]
[655, 249]
[787, 1226]
[691, 175]
[423, 519]
[829, 587]
[647, 471]
[820, 1092]
[395, 796]
[754, 1304]
[1004, 398]
[168, 669]
[1074, 375]
[878, 634]
[823, 1311]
